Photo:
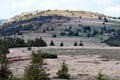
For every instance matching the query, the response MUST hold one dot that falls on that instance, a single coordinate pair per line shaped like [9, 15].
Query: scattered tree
[99, 17]
[105, 19]
[61, 44]
[36, 71]
[54, 36]
[81, 43]
[70, 27]
[5, 72]
[63, 72]
[62, 33]
[44, 31]
[75, 44]
[52, 43]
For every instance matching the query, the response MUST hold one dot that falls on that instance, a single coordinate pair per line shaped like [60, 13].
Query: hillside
[36, 19]
[61, 23]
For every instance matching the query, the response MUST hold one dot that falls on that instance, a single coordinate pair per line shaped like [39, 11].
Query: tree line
[20, 42]
[37, 42]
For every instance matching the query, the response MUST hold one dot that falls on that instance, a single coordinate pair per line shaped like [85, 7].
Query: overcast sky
[10, 8]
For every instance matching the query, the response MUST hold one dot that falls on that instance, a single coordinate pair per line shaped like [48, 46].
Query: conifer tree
[36, 71]
[75, 44]
[61, 44]
[52, 43]
[5, 72]
[81, 43]
[63, 72]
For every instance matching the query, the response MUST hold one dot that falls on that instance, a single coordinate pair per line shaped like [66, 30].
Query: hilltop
[2, 20]
[67, 13]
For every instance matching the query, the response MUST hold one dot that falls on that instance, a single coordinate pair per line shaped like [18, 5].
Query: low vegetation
[100, 76]
[114, 40]
[48, 55]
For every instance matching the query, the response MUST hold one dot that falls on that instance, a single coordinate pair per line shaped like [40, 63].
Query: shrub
[100, 76]
[75, 44]
[47, 55]
[29, 48]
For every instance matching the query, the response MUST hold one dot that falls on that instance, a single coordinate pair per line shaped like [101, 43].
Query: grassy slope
[88, 19]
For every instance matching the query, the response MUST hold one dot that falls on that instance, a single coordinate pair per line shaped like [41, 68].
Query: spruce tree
[36, 71]
[63, 72]
[5, 72]
[81, 43]
[52, 43]
[75, 44]
[61, 44]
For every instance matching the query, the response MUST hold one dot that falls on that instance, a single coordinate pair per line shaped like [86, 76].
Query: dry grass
[84, 63]
[32, 14]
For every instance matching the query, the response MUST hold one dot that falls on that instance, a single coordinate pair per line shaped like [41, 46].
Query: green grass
[82, 34]
[102, 37]
[113, 21]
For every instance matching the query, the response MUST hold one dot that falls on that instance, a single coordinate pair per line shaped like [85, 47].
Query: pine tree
[81, 43]
[52, 43]
[61, 44]
[54, 35]
[75, 44]
[63, 72]
[5, 72]
[105, 19]
[36, 71]
[44, 31]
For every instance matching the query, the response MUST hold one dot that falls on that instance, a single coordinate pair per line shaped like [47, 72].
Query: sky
[10, 8]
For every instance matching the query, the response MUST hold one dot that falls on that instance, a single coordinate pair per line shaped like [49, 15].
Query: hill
[61, 23]
[35, 19]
